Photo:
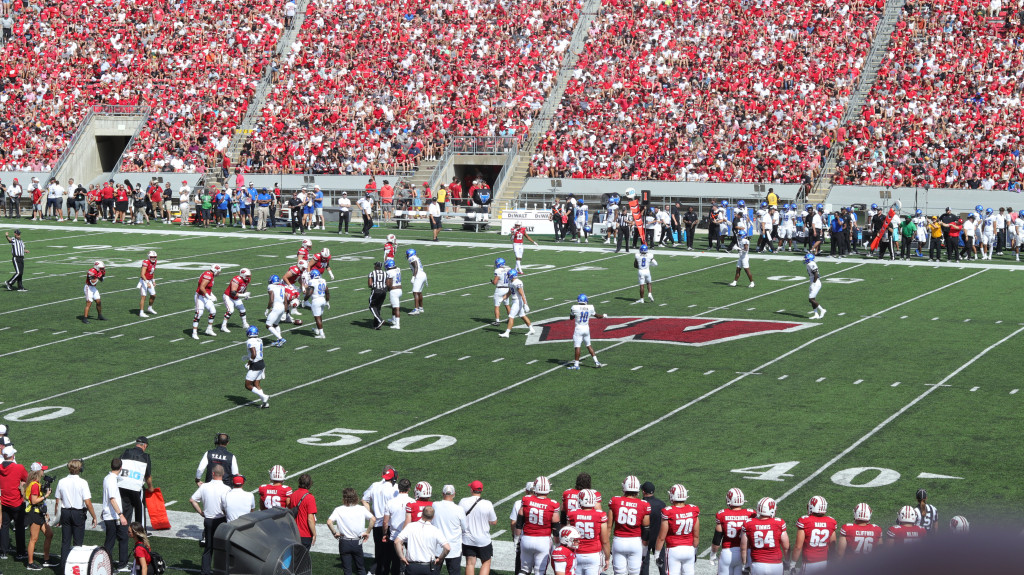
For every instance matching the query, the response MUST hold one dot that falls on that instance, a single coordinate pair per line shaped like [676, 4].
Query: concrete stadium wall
[931, 201]
[659, 189]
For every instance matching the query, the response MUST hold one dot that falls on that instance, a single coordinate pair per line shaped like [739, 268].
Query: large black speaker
[261, 543]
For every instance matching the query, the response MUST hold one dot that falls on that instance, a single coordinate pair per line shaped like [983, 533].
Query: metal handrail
[71, 145]
[442, 164]
[506, 170]
[140, 111]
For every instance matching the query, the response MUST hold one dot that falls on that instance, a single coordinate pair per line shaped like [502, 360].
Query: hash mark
[3, 328]
[673, 370]
[57, 332]
[692, 305]
[465, 357]
[819, 380]
[113, 336]
[751, 308]
[903, 317]
[858, 382]
[842, 313]
[301, 347]
[206, 342]
[895, 384]
[465, 294]
[782, 377]
[1000, 321]
[975, 388]
[663, 305]
[636, 368]
[497, 360]
[606, 301]
[176, 340]
[365, 351]
[780, 311]
[31, 330]
[333, 349]
[548, 298]
[967, 320]
[709, 372]
[531, 362]
[430, 356]
[934, 318]
[145, 338]
[1013, 391]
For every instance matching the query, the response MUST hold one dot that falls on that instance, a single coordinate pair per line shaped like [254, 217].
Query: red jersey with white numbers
[290, 293]
[416, 508]
[681, 523]
[148, 268]
[293, 274]
[732, 521]
[538, 512]
[901, 534]
[320, 263]
[303, 253]
[571, 500]
[389, 251]
[239, 284]
[628, 514]
[588, 522]
[563, 560]
[518, 234]
[861, 539]
[93, 276]
[764, 539]
[208, 277]
[274, 495]
[817, 532]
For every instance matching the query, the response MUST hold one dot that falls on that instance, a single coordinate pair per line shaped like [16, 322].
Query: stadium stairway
[879, 47]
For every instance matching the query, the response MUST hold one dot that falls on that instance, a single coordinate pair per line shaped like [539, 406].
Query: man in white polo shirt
[513, 518]
[114, 521]
[208, 501]
[376, 499]
[73, 498]
[476, 539]
[394, 521]
[451, 520]
[427, 546]
[238, 501]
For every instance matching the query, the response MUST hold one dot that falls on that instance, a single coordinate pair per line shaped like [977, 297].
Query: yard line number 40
[846, 478]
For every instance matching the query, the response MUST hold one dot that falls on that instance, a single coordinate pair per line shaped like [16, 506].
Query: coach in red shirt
[306, 504]
[12, 485]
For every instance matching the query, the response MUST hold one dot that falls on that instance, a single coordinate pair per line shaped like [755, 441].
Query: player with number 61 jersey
[728, 529]
[538, 518]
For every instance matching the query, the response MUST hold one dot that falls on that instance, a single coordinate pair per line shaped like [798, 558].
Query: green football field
[909, 382]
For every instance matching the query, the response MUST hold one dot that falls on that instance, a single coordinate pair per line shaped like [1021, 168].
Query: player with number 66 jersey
[728, 529]
[630, 521]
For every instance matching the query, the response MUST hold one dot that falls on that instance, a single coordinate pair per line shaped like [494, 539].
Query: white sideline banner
[535, 221]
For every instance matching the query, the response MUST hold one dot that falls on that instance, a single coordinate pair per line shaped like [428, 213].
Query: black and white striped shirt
[378, 280]
[17, 247]
[929, 519]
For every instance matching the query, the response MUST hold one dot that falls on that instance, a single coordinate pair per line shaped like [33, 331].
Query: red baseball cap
[389, 474]
[238, 480]
[476, 485]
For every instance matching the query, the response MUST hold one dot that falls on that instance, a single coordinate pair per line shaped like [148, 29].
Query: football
[297, 322]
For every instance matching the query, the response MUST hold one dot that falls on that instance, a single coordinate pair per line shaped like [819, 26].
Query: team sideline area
[707, 385]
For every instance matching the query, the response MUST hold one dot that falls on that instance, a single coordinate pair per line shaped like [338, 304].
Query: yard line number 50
[413, 444]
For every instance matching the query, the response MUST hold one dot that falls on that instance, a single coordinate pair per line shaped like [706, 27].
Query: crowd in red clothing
[945, 110]
[709, 91]
[195, 63]
[372, 86]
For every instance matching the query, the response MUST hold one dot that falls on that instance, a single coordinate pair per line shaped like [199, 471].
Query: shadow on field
[238, 399]
[796, 315]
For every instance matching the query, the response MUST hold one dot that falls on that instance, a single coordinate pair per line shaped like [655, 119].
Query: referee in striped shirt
[18, 252]
[377, 282]
[927, 514]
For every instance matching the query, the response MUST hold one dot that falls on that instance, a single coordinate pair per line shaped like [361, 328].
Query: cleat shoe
[209, 331]
[320, 336]
[142, 314]
[574, 367]
[751, 285]
[504, 334]
[195, 335]
[151, 310]
[531, 332]
[732, 284]
[266, 405]
[641, 300]
[599, 365]
[101, 318]
[224, 328]
[821, 312]
[650, 296]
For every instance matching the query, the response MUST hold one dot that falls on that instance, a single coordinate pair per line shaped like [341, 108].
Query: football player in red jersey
[728, 526]
[147, 285]
[518, 234]
[297, 277]
[631, 524]
[322, 263]
[571, 497]
[303, 255]
[277, 493]
[906, 530]
[539, 518]
[237, 290]
[204, 300]
[414, 509]
[862, 536]
[594, 551]
[815, 532]
[680, 530]
[766, 538]
[563, 557]
[389, 248]
[94, 276]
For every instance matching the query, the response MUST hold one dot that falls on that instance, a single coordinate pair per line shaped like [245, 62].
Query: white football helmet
[307, 243]
[151, 255]
[245, 273]
[734, 497]
[907, 514]
[631, 484]
[959, 524]
[277, 473]
[215, 268]
[862, 512]
[677, 493]
[326, 252]
[588, 498]
[98, 265]
[817, 505]
[423, 490]
[303, 264]
[569, 537]
[293, 303]
[392, 239]
[766, 507]
[541, 485]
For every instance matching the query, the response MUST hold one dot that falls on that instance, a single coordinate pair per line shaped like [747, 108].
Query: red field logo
[694, 331]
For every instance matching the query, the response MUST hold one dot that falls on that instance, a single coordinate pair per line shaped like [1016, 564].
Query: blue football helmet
[821, 206]
[316, 274]
[741, 203]
[919, 212]
[499, 262]
[809, 207]
[390, 265]
[874, 206]
[274, 279]
[586, 229]
[808, 258]
[511, 275]
[1020, 214]
[582, 298]
[252, 331]
[978, 208]
[409, 253]
[764, 204]
[988, 211]
[643, 248]
[725, 203]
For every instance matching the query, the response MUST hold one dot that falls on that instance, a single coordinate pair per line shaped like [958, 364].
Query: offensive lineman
[320, 299]
[389, 248]
[766, 538]
[594, 552]
[236, 291]
[630, 518]
[147, 285]
[204, 300]
[303, 254]
[419, 279]
[518, 233]
[643, 262]
[322, 263]
[680, 530]
[581, 314]
[744, 260]
[815, 533]
[254, 365]
[538, 518]
[298, 273]
[93, 277]
[817, 311]
[906, 529]
[861, 536]
[500, 281]
[728, 526]
[394, 286]
[518, 306]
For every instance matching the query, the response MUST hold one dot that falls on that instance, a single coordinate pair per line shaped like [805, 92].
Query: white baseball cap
[9, 451]
[39, 467]
[3, 429]
[448, 490]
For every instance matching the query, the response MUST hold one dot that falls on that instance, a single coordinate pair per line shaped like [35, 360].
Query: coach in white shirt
[427, 546]
[208, 501]
[114, 521]
[238, 501]
[476, 539]
[73, 498]
[394, 519]
[451, 520]
[351, 530]
[376, 499]
[184, 197]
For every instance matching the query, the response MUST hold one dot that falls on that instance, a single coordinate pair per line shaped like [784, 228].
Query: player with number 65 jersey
[861, 536]
[276, 494]
[594, 552]
[728, 528]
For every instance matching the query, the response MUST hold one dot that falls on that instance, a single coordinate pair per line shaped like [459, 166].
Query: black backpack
[157, 563]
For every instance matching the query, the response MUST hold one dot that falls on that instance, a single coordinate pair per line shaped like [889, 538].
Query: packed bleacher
[945, 110]
[373, 87]
[709, 91]
[195, 63]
